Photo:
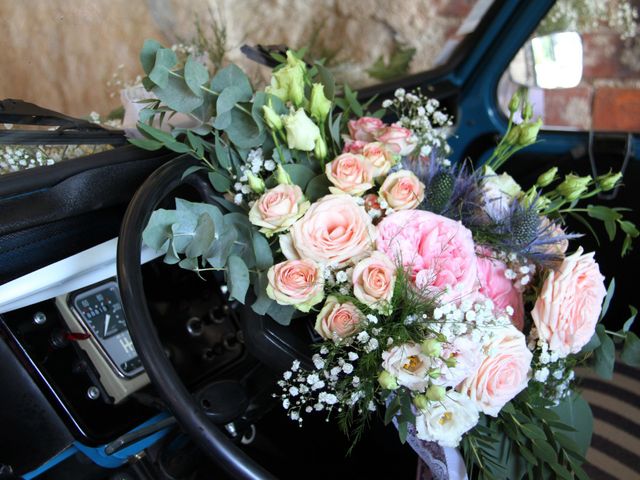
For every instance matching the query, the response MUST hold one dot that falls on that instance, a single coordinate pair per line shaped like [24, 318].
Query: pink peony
[374, 279]
[569, 304]
[296, 282]
[496, 286]
[337, 321]
[503, 373]
[439, 252]
[349, 173]
[398, 139]
[365, 129]
[335, 230]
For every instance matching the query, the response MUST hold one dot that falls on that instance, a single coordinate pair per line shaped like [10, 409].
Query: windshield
[81, 58]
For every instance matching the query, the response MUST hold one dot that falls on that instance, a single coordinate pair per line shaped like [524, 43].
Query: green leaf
[533, 432]
[204, 236]
[317, 187]
[591, 345]
[603, 213]
[546, 452]
[527, 455]
[195, 74]
[158, 231]
[629, 228]
[403, 431]
[244, 131]
[392, 409]
[610, 227]
[220, 182]
[604, 355]
[263, 302]
[196, 143]
[561, 471]
[148, 55]
[301, 175]
[326, 78]
[223, 120]
[178, 96]
[607, 299]
[282, 314]
[237, 278]
[155, 133]
[221, 248]
[166, 59]
[229, 97]
[222, 152]
[146, 143]
[629, 323]
[190, 170]
[232, 76]
[352, 99]
[575, 412]
[397, 66]
[631, 350]
[262, 250]
[334, 129]
[188, 263]
[178, 147]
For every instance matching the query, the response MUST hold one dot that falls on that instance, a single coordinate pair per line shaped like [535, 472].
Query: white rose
[302, 133]
[447, 420]
[408, 365]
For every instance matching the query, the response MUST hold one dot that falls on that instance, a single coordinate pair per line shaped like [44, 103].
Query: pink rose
[402, 190]
[277, 209]
[503, 373]
[365, 129]
[350, 173]
[438, 251]
[337, 321]
[379, 158]
[398, 139]
[496, 286]
[374, 279]
[296, 282]
[353, 146]
[569, 304]
[334, 230]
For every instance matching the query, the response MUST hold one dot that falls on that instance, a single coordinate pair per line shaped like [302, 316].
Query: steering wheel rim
[145, 336]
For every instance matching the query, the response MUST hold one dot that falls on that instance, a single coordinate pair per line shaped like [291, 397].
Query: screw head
[39, 318]
[93, 392]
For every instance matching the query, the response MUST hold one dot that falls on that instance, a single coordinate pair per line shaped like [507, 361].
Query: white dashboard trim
[78, 271]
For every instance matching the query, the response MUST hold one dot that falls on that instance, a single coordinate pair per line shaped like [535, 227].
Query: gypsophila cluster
[257, 165]
[520, 270]
[423, 117]
[14, 158]
[555, 375]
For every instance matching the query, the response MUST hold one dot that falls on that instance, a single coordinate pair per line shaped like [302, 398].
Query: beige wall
[61, 53]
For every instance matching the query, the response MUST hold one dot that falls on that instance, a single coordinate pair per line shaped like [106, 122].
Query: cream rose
[296, 282]
[569, 304]
[408, 365]
[402, 190]
[277, 209]
[337, 321]
[399, 139]
[447, 420]
[503, 373]
[379, 159]
[335, 230]
[349, 173]
[374, 279]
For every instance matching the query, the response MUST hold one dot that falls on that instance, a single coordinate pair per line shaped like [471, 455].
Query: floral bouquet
[444, 297]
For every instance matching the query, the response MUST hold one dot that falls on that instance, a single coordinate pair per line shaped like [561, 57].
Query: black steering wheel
[161, 372]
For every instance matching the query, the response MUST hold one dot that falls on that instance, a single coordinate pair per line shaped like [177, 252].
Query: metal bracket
[628, 149]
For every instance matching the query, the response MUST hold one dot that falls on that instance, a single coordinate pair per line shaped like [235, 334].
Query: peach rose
[439, 252]
[398, 139]
[335, 230]
[277, 209]
[374, 279]
[365, 129]
[296, 282]
[569, 304]
[350, 173]
[379, 158]
[402, 190]
[337, 321]
[503, 373]
[496, 286]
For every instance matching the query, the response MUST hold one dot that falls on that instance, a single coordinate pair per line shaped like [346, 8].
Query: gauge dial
[100, 309]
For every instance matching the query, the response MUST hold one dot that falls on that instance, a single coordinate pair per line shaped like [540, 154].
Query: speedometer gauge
[100, 310]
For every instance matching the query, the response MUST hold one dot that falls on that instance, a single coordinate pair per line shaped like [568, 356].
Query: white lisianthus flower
[408, 365]
[302, 133]
[499, 193]
[447, 420]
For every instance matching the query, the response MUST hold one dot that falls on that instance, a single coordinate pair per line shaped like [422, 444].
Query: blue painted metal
[97, 455]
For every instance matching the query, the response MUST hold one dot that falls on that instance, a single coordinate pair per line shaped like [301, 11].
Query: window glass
[586, 79]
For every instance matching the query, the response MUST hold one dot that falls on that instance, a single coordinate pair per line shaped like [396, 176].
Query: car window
[582, 67]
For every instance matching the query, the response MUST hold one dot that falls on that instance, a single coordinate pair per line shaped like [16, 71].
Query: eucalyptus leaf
[198, 208]
[148, 55]
[222, 152]
[177, 95]
[220, 182]
[221, 248]
[229, 97]
[326, 78]
[575, 412]
[223, 120]
[155, 133]
[282, 314]
[237, 278]
[629, 323]
[607, 299]
[146, 143]
[259, 100]
[166, 59]
[230, 76]
[605, 354]
[158, 229]
[317, 187]
[189, 263]
[301, 175]
[631, 350]
[352, 99]
[262, 251]
[244, 131]
[403, 431]
[263, 302]
[592, 344]
[195, 74]
[204, 235]
[546, 452]
[190, 170]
